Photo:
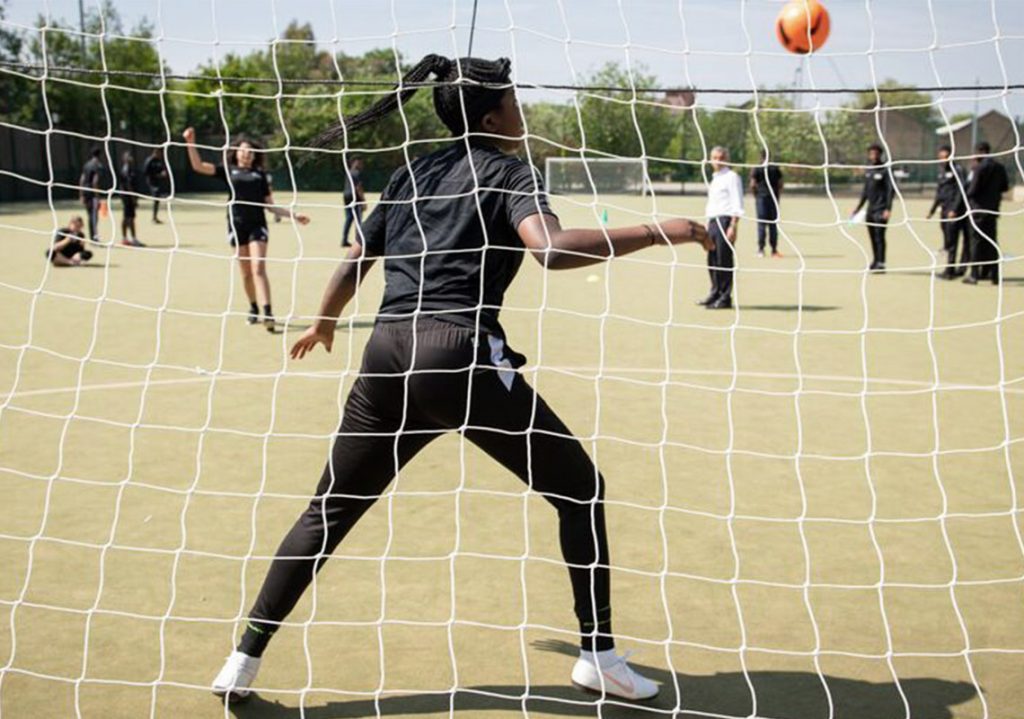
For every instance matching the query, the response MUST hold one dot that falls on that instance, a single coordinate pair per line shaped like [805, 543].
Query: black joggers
[722, 259]
[454, 380]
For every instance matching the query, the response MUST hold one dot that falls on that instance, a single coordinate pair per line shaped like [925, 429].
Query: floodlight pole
[81, 26]
[974, 120]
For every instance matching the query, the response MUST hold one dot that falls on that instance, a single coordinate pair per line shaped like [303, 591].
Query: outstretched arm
[559, 249]
[284, 212]
[340, 290]
[198, 164]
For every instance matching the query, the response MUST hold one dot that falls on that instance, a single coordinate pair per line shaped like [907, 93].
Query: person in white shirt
[724, 210]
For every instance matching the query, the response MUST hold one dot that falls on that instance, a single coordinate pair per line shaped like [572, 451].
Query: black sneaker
[270, 324]
[254, 317]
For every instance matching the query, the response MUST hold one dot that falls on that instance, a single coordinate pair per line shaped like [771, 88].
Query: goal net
[812, 479]
[573, 175]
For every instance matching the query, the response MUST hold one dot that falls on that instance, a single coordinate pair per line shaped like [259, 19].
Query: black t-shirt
[987, 184]
[949, 193]
[878, 191]
[92, 176]
[154, 170]
[452, 258]
[351, 185]
[250, 187]
[72, 248]
[761, 185]
[128, 177]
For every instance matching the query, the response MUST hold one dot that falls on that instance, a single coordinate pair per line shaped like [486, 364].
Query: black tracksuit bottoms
[877, 225]
[952, 230]
[767, 222]
[984, 245]
[418, 381]
[721, 260]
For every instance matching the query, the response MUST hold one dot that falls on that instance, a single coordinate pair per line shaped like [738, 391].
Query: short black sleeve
[266, 183]
[524, 194]
[372, 231]
[220, 173]
[374, 228]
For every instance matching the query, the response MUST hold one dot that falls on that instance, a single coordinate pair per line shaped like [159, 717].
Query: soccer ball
[802, 26]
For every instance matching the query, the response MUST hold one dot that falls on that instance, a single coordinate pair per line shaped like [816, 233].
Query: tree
[16, 91]
[95, 103]
[554, 130]
[626, 124]
[919, 105]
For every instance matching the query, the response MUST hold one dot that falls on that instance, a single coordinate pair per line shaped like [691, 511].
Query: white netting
[812, 497]
[573, 175]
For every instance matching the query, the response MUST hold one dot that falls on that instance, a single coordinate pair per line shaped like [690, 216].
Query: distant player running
[452, 229]
[249, 185]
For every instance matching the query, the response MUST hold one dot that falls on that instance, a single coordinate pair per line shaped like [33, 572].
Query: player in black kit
[985, 187]
[90, 190]
[878, 195]
[68, 246]
[452, 229]
[249, 186]
[950, 202]
[128, 187]
[157, 178]
[766, 183]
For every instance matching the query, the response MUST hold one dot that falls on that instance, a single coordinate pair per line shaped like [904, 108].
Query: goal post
[603, 175]
[812, 485]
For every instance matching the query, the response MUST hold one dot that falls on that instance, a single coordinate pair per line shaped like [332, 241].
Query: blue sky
[706, 43]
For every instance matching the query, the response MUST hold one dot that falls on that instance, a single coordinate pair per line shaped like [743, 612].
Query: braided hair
[477, 84]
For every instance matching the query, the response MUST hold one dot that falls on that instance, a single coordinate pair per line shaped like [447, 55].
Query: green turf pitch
[823, 483]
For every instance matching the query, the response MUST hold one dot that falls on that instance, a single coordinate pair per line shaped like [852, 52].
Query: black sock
[254, 309]
[266, 310]
[256, 637]
[602, 640]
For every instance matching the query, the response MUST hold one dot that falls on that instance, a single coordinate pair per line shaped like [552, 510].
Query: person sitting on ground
[68, 246]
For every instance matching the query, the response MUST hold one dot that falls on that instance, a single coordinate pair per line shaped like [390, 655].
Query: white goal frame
[550, 162]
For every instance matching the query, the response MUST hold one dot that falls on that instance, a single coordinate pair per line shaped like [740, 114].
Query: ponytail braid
[479, 84]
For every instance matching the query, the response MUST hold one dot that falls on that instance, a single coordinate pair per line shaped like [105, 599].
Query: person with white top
[724, 210]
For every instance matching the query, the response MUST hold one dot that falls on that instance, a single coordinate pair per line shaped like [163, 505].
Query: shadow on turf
[930, 274]
[781, 695]
[788, 308]
[298, 327]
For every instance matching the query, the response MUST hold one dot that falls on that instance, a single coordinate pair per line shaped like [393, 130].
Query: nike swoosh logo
[629, 689]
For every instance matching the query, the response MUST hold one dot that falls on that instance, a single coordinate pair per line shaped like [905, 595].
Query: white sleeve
[736, 195]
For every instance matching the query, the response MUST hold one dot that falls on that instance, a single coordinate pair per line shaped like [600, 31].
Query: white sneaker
[236, 676]
[616, 679]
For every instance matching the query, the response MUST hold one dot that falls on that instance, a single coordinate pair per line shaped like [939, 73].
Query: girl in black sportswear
[250, 194]
[437, 360]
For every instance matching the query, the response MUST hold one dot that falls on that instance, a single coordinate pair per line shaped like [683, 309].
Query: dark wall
[26, 156]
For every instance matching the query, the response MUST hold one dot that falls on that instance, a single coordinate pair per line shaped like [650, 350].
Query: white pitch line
[607, 372]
